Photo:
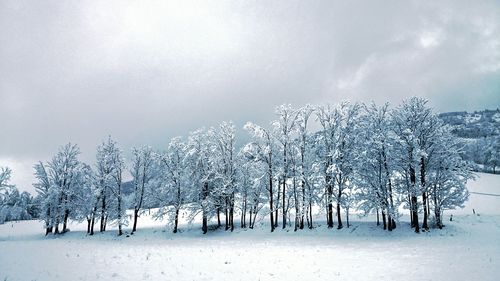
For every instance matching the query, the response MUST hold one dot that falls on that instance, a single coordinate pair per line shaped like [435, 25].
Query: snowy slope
[467, 248]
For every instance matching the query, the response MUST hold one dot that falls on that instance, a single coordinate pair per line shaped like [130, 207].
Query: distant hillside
[481, 133]
[478, 124]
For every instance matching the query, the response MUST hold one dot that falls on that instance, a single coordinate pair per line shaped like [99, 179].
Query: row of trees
[15, 205]
[335, 158]
[484, 153]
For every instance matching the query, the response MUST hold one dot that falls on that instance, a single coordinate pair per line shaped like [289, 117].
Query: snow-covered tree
[109, 179]
[304, 164]
[375, 167]
[14, 205]
[261, 150]
[143, 170]
[63, 169]
[47, 195]
[172, 191]
[251, 186]
[283, 129]
[416, 127]
[448, 174]
[329, 119]
[200, 148]
[224, 159]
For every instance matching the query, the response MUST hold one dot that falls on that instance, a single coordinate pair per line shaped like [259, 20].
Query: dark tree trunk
[378, 219]
[250, 218]
[310, 216]
[425, 226]
[347, 216]
[415, 213]
[93, 221]
[204, 226]
[339, 218]
[136, 215]
[424, 195]
[384, 222]
[120, 231]
[330, 204]
[176, 219]
[301, 226]
[277, 205]
[226, 215]
[231, 212]
[270, 200]
[65, 221]
[285, 175]
[244, 213]
[439, 221]
[103, 213]
[389, 221]
[284, 205]
[414, 202]
[218, 217]
[177, 208]
[48, 228]
[88, 225]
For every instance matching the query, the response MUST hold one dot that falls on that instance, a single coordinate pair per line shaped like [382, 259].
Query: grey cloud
[144, 71]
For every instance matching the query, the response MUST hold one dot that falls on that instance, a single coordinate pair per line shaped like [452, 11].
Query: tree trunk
[88, 225]
[204, 226]
[310, 216]
[424, 195]
[226, 215]
[93, 221]
[176, 219]
[389, 221]
[285, 175]
[244, 213]
[250, 217]
[339, 218]
[65, 221]
[384, 222]
[284, 205]
[218, 217]
[415, 213]
[48, 228]
[390, 211]
[424, 200]
[437, 211]
[330, 205]
[103, 212]
[347, 216]
[231, 211]
[378, 219]
[414, 202]
[136, 214]
[270, 200]
[301, 226]
[120, 231]
[277, 205]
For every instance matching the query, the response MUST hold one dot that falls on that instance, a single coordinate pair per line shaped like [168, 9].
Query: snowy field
[468, 248]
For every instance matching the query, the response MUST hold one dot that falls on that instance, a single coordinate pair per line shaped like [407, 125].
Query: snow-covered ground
[467, 248]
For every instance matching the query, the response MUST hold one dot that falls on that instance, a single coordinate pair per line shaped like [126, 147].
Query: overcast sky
[144, 71]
